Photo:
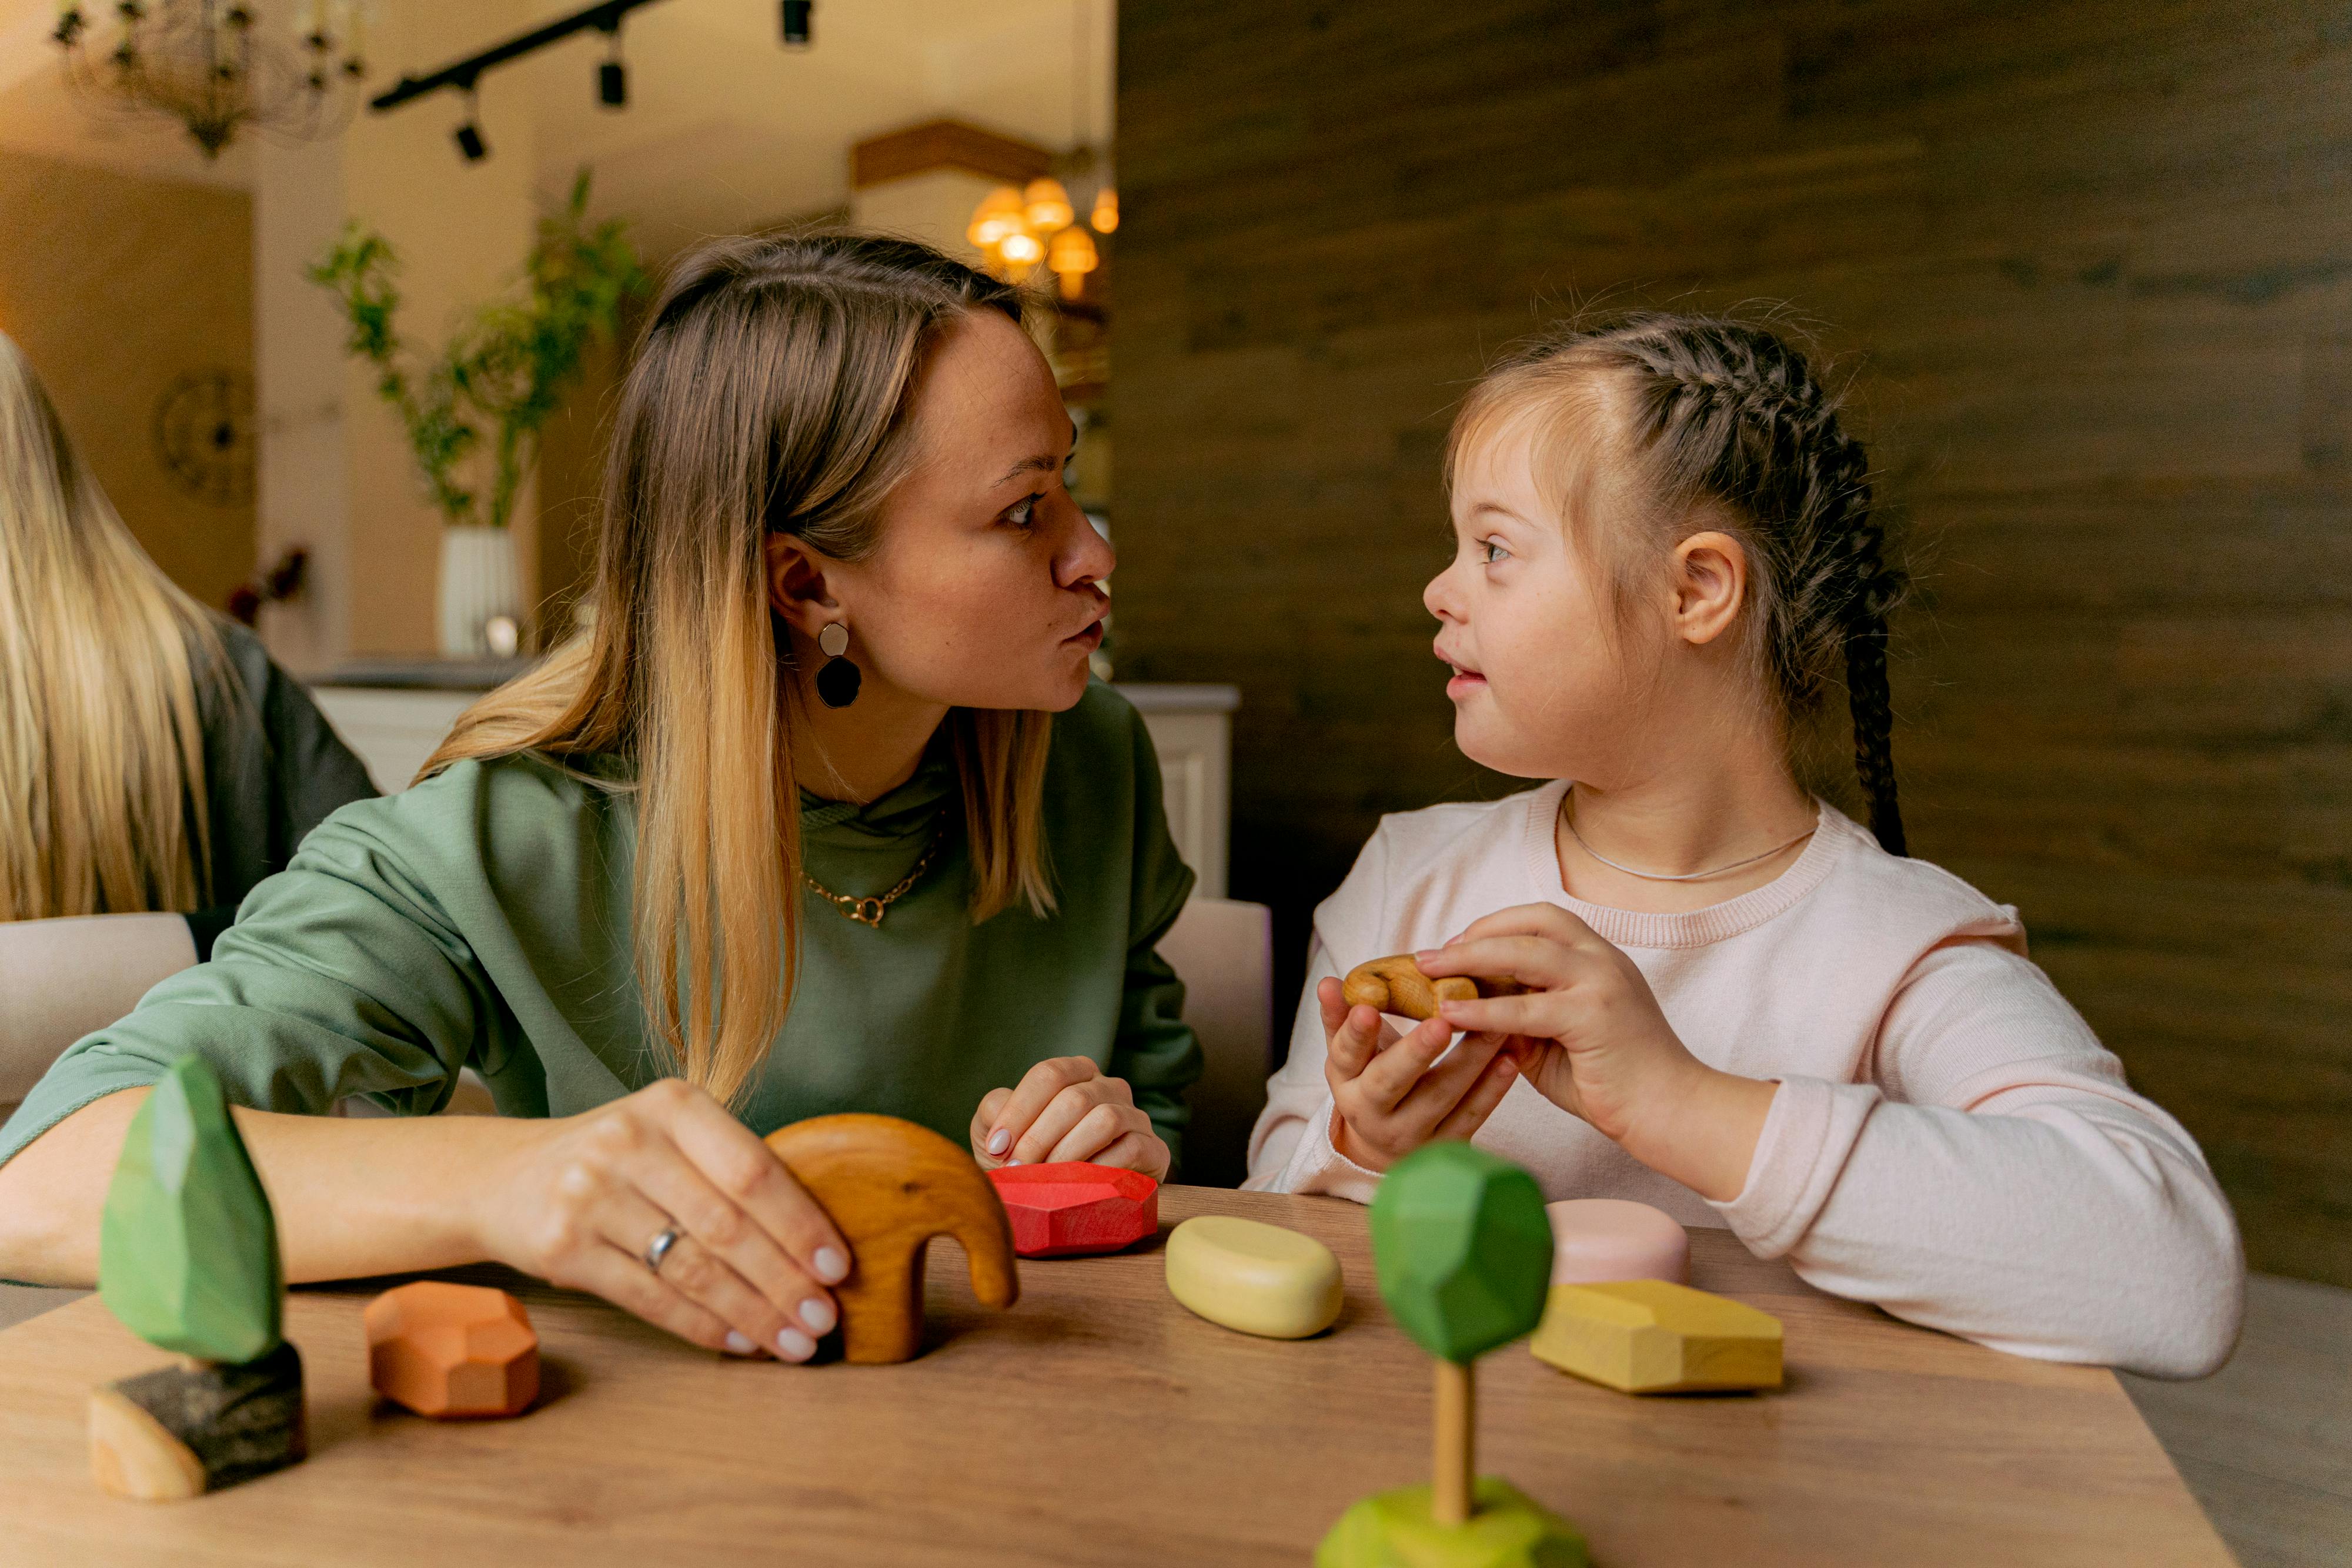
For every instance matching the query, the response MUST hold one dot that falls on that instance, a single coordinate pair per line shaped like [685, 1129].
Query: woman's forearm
[353, 1196]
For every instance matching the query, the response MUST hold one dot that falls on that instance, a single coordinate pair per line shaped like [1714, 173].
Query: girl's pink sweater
[1950, 1139]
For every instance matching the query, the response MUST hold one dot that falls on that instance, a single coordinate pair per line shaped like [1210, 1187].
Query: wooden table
[1099, 1422]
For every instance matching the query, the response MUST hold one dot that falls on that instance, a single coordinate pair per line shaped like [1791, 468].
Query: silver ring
[658, 1248]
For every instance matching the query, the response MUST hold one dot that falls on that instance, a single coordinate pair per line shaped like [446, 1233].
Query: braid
[1730, 415]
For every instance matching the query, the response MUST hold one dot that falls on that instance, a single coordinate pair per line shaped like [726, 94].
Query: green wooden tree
[187, 1250]
[1463, 1250]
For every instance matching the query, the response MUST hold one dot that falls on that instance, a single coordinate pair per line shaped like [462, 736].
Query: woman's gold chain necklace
[870, 911]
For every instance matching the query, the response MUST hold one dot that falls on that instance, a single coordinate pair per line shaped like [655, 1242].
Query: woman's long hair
[769, 392]
[102, 807]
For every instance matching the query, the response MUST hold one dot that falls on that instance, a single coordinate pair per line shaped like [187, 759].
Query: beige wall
[116, 287]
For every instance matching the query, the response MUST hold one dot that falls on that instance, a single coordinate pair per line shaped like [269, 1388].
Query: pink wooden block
[1601, 1240]
[1062, 1210]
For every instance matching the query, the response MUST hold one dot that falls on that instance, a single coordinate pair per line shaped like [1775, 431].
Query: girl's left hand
[1590, 1036]
[1067, 1109]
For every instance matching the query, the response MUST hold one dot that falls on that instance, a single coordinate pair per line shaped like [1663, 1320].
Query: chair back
[61, 979]
[1223, 950]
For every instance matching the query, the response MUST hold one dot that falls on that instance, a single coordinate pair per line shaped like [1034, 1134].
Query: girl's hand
[1387, 1100]
[578, 1200]
[1590, 1036]
[1067, 1109]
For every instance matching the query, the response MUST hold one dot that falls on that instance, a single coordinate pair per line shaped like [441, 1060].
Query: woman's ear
[796, 585]
[1711, 582]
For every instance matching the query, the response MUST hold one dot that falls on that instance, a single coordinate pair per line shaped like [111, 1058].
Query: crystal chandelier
[213, 65]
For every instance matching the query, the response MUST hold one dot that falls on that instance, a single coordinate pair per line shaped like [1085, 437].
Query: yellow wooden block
[1651, 1336]
[1257, 1277]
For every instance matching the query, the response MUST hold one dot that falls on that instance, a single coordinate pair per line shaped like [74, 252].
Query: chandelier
[1017, 228]
[214, 67]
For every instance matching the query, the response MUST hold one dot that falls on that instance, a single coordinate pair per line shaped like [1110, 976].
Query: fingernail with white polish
[1012, 1162]
[794, 1345]
[831, 1266]
[738, 1344]
[1000, 1140]
[819, 1315]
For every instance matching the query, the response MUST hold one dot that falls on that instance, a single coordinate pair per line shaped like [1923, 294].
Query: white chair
[1223, 952]
[60, 980]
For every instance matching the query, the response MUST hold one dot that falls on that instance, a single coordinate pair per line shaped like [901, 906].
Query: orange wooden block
[451, 1350]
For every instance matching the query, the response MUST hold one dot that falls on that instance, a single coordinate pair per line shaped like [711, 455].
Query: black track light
[797, 15]
[470, 133]
[613, 85]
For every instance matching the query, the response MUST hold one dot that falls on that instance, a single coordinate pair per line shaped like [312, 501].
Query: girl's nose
[1438, 597]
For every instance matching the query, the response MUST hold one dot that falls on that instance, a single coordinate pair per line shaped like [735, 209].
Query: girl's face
[1541, 688]
[986, 589]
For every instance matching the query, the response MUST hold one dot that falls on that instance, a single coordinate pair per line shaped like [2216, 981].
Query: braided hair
[1727, 419]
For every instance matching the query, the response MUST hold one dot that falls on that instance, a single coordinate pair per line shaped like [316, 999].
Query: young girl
[1743, 1007]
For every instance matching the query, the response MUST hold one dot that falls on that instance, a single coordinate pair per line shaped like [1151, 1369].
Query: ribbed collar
[1689, 928]
[911, 812]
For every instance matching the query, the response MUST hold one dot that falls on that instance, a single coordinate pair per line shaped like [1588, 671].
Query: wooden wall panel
[2092, 262]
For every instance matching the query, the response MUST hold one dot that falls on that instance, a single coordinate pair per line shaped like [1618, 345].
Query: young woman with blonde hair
[154, 764]
[825, 816]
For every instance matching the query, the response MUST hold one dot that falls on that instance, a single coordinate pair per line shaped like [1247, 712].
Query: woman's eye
[1024, 513]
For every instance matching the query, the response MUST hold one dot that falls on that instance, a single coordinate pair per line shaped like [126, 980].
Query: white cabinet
[395, 728]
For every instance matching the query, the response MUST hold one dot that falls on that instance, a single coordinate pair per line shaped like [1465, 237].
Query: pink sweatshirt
[1950, 1139]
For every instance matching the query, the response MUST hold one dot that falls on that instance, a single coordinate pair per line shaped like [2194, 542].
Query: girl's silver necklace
[1570, 821]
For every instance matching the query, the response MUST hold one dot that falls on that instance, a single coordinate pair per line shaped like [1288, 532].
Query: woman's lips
[1090, 639]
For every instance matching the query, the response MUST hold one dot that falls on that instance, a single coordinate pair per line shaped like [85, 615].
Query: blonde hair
[769, 392]
[101, 733]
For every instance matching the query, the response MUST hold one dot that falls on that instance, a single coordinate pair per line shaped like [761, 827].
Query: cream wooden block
[1257, 1277]
[1653, 1336]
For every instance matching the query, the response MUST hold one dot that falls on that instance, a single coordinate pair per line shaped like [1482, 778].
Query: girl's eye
[1490, 551]
[1024, 512]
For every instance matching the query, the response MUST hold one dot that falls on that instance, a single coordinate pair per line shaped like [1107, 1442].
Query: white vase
[479, 580]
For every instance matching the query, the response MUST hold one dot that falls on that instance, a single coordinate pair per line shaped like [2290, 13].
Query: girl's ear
[796, 585]
[1711, 582]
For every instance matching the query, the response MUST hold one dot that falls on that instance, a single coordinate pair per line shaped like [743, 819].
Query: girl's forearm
[353, 1196]
[1704, 1133]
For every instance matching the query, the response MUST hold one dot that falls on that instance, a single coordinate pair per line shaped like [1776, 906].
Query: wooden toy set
[1468, 1258]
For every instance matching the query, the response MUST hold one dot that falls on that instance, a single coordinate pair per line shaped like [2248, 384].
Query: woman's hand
[578, 1201]
[1067, 1109]
[1590, 1036]
[1386, 1099]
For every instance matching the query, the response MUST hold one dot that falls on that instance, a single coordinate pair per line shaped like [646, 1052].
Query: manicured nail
[1000, 1140]
[794, 1345]
[818, 1313]
[738, 1344]
[1012, 1162]
[831, 1266]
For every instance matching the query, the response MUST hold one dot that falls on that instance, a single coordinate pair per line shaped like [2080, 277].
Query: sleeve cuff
[1800, 1155]
[1317, 1166]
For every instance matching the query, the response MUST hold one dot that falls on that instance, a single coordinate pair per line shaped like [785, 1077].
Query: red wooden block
[1062, 1210]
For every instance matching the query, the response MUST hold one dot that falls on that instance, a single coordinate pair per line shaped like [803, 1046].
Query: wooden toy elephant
[890, 1186]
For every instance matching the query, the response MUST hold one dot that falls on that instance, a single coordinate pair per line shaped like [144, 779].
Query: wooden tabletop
[1099, 1422]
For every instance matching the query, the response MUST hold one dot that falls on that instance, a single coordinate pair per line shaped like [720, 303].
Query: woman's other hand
[1067, 1109]
[578, 1200]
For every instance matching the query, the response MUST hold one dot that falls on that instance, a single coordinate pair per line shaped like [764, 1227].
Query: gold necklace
[870, 911]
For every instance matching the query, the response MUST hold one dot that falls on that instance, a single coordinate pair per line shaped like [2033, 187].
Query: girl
[1743, 1007]
[775, 842]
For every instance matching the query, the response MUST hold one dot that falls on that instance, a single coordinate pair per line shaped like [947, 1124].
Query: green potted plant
[473, 411]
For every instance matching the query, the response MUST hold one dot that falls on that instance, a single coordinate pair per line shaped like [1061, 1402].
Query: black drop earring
[836, 678]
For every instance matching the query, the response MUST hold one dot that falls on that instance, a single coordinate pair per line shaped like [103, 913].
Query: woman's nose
[1087, 558]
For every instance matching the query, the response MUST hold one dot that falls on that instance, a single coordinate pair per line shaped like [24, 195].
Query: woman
[152, 758]
[823, 817]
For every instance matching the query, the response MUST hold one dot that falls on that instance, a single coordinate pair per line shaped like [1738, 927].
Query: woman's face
[987, 589]
[1541, 687]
